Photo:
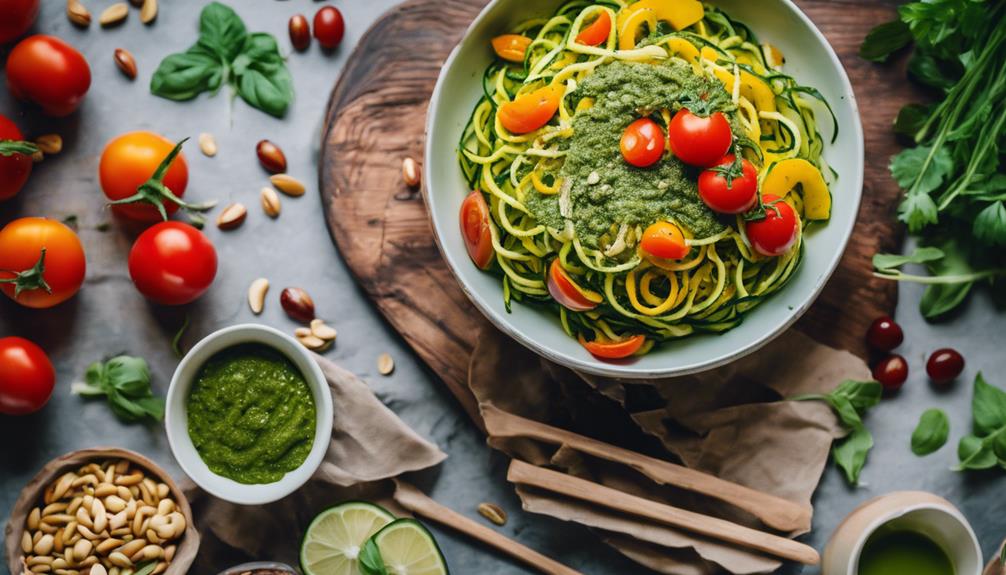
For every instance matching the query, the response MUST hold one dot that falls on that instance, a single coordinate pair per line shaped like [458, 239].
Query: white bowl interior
[176, 414]
[809, 58]
[944, 526]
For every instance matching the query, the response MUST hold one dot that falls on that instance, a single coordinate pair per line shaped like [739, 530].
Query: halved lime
[333, 541]
[408, 548]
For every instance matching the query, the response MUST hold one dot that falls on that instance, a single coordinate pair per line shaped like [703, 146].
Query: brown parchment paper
[369, 446]
[731, 422]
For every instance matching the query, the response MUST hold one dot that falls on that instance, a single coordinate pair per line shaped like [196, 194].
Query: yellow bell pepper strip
[629, 25]
[787, 174]
[752, 87]
[511, 47]
[680, 14]
[531, 111]
[686, 51]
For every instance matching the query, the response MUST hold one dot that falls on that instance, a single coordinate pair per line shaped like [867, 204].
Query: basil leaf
[931, 433]
[885, 39]
[186, 75]
[269, 92]
[919, 256]
[973, 453]
[862, 395]
[222, 31]
[128, 375]
[850, 453]
[151, 406]
[939, 299]
[370, 560]
[988, 407]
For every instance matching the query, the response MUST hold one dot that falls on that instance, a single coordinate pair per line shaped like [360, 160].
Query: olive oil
[899, 552]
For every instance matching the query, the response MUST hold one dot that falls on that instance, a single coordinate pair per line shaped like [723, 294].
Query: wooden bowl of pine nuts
[102, 511]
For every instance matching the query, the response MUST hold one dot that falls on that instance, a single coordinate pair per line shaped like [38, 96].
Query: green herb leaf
[222, 31]
[884, 40]
[990, 225]
[850, 453]
[988, 407]
[910, 119]
[370, 560]
[914, 164]
[921, 255]
[263, 80]
[927, 70]
[186, 75]
[973, 453]
[931, 433]
[125, 381]
[862, 395]
[940, 299]
[850, 400]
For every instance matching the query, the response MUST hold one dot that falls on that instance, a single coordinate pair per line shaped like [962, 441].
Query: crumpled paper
[731, 422]
[369, 446]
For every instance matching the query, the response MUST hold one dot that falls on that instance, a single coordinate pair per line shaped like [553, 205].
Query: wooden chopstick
[775, 512]
[421, 504]
[713, 527]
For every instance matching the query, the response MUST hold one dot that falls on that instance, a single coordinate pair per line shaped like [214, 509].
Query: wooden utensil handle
[421, 504]
[714, 527]
[775, 512]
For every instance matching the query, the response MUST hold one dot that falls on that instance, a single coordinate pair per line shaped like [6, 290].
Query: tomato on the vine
[329, 27]
[18, 16]
[776, 233]
[729, 187]
[15, 166]
[26, 377]
[475, 229]
[49, 72]
[42, 262]
[699, 140]
[172, 263]
[642, 143]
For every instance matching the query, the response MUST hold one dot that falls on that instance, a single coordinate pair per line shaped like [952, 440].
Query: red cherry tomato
[597, 32]
[614, 349]
[891, 372]
[944, 365]
[329, 27]
[49, 72]
[129, 161]
[699, 141]
[884, 334]
[26, 376]
[565, 291]
[42, 281]
[475, 229]
[172, 263]
[643, 143]
[15, 168]
[18, 16]
[728, 188]
[777, 232]
[664, 240]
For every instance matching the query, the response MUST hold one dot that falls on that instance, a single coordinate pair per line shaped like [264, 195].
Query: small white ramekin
[176, 414]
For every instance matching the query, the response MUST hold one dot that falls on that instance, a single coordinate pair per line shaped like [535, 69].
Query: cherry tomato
[329, 27]
[49, 72]
[41, 258]
[700, 141]
[475, 229]
[884, 334]
[642, 143]
[172, 263]
[891, 372]
[531, 111]
[664, 240]
[944, 365]
[511, 47]
[15, 168]
[776, 234]
[614, 349]
[18, 16]
[597, 32]
[26, 377]
[128, 162]
[728, 188]
[565, 291]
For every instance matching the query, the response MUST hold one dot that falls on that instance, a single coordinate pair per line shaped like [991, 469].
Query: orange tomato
[565, 291]
[42, 262]
[129, 161]
[531, 111]
[475, 229]
[664, 240]
[511, 47]
[598, 31]
[614, 349]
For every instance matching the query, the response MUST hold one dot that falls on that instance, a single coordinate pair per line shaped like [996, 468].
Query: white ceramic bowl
[809, 58]
[176, 415]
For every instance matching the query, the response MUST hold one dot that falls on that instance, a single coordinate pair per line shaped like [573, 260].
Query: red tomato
[566, 292]
[699, 141]
[329, 27]
[891, 372]
[128, 162]
[642, 143]
[598, 31]
[26, 377]
[728, 188]
[49, 72]
[18, 16]
[614, 349]
[664, 240]
[776, 234]
[172, 263]
[531, 111]
[15, 168]
[884, 334]
[475, 229]
[43, 279]
[945, 365]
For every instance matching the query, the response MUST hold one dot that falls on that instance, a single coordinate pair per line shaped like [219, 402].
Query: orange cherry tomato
[511, 47]
[565, 291]
[475, 229]
[664, 240]
[643, 143]
[614, 349]
[129, 161]
[531, 111]
[597, 32]
[38, 279]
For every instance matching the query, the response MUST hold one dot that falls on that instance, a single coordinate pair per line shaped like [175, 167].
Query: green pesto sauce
[903, 553]
[624, 92]
[251, 414]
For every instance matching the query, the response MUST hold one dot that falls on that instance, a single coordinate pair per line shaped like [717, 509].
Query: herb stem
[937, 280]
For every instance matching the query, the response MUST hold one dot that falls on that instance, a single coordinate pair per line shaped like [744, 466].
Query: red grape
[884, 334]
[944, 365]
[891, 372]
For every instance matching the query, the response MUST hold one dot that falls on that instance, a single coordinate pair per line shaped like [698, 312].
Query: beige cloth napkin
[730, 422]
[369, 446]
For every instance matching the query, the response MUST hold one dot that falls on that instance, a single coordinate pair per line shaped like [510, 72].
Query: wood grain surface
[376, 116]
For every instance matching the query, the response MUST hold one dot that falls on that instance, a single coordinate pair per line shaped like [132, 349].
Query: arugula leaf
[931, 433]
[910, 119]
[914, 164]
[884, 40]
[370, 560]
[125, 381]
[990, 225]
[921, 255]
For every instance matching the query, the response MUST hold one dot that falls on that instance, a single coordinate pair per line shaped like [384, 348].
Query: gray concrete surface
[110, 317]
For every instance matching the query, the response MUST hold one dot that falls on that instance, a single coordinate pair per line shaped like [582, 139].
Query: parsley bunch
[953, 175]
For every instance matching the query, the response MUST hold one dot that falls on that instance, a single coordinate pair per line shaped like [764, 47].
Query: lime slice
[408, 548]
[333, 540]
